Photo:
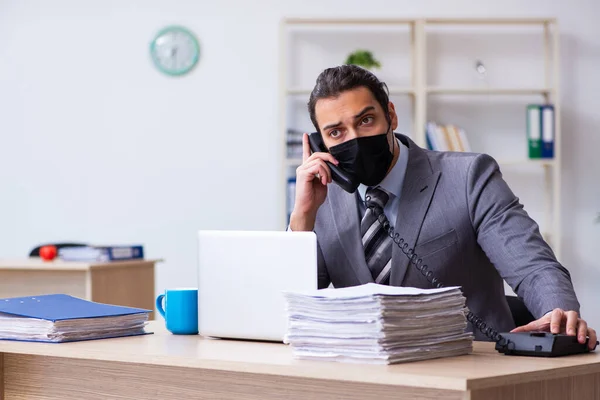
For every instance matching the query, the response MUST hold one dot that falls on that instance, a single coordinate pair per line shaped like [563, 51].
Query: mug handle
[159, 305]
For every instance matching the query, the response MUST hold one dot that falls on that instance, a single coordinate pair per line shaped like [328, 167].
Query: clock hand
[175, 49]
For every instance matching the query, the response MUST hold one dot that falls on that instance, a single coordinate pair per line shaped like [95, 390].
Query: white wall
[96, 145]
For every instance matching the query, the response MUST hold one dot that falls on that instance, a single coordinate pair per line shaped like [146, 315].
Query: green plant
[363, 58]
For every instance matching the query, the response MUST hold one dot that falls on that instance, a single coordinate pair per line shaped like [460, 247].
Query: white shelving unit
[483, 91]
[419, 89]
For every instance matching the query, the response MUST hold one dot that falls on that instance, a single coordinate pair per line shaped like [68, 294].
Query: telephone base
[540, 344]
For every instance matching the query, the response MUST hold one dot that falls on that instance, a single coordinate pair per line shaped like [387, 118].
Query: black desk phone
[537, 344]
[344, 179]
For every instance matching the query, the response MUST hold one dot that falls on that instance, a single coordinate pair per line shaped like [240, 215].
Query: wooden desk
[165, 366]
[126, 283]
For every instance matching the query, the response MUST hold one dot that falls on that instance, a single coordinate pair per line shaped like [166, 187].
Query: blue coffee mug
[180, 311]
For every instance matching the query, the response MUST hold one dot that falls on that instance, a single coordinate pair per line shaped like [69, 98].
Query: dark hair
[333, 81]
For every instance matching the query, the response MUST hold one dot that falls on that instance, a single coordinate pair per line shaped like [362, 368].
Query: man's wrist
[302, 222]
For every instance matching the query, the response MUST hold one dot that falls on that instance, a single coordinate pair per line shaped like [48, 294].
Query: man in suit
[456, 210]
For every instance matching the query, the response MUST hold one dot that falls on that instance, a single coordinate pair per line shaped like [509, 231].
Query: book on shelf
[446, 138]
[291, 195]
[60, 318]
[540, 130]
[101, 253]
[294, 143]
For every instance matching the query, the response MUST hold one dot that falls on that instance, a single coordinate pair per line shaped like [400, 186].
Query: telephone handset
[344, 179]
[537, 344]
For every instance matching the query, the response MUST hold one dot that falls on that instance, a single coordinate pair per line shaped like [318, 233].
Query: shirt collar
[394, 180]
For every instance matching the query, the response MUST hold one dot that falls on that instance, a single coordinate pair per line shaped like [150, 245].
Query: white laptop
[241, 276]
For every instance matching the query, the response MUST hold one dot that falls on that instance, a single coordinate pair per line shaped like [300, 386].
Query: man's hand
[312, 178]
[559, 321]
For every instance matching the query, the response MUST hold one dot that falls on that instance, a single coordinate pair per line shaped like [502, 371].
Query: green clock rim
[172, 28]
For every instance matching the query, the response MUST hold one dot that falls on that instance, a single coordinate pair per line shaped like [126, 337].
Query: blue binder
[548, 130]
[102, 253]
[61, 307]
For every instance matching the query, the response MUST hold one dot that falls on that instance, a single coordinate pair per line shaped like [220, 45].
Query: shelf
[348, 21]
[490, 21]
[394, 91]
[548, 162]
[305, 91]
[401, 21]
[486, 91]
[398, 91]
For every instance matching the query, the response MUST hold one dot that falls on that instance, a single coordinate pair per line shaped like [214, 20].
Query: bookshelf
[418, 56]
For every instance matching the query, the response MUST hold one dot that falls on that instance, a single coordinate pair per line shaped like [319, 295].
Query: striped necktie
[376, 243]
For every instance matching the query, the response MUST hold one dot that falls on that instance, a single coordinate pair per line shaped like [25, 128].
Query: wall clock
[175, 50]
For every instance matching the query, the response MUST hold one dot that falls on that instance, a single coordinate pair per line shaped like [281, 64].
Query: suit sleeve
[512, 241]
[323, 275]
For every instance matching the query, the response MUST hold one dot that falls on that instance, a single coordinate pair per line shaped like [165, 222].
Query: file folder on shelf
[63, 318]
[534, 131]
[547, 131]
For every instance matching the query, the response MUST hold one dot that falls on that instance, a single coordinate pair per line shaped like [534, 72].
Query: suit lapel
[419, 186]
[347, 223]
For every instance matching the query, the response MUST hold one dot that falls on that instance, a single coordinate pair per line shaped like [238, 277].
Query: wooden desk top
[37, 264]
[482, 369]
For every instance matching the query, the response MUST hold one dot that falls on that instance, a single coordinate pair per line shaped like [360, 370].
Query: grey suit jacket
[466, 225]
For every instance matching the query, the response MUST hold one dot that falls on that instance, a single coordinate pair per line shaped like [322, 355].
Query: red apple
[48, 253]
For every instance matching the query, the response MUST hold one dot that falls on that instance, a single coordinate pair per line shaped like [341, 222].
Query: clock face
[175, 50]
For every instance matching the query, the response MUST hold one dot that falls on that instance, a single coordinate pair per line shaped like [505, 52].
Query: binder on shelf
[534, 130]
[547, 148]
[62, 318]
[101, 253]
[294, 143]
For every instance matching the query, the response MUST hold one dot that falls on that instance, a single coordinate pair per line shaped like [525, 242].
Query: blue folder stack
[63, 318]
[101, 253]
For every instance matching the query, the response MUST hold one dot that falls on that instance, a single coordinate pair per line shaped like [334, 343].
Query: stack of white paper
[377, 324]
[34, 329]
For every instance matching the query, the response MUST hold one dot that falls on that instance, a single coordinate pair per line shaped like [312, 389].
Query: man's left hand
[560, 321]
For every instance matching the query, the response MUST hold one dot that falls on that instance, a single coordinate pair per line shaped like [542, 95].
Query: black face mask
[368, 158]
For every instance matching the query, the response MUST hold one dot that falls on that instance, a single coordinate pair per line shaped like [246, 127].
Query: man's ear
[393, 116]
